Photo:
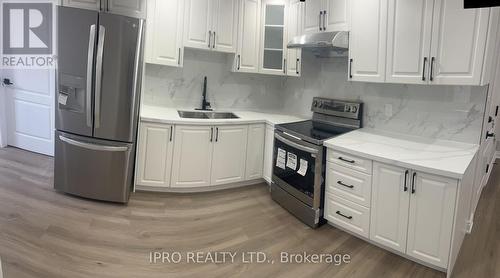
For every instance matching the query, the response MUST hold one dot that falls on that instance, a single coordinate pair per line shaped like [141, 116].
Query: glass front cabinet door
[273, 37]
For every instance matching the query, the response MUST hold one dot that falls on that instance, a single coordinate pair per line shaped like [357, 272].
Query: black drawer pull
[343, 215]
[346, 160]
[346, 185]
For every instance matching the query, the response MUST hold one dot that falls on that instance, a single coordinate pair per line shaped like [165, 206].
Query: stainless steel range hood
[324, 44]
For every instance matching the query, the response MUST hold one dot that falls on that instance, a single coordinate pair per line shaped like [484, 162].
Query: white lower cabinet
[229, 154]
[408, 211]
[432, 207]
[255, 151]
[154, 155]
[390, 204]
[412, 212]
[192, 159]
[268, 154]
[348, 215]
[196, 156]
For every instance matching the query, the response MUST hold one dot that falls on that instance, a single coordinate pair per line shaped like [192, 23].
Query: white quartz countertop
[446, 158]
[158, 114]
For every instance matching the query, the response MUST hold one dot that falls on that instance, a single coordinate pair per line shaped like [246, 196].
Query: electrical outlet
[388, 110]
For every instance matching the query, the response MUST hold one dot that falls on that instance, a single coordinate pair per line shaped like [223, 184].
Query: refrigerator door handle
[90, 66]
[91, 146]
[137, 64]
[98, 75]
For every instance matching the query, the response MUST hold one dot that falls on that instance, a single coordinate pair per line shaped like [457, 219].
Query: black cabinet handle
[320, 17]
[239, 61]
[347, 160]
[179, 57]
[423, 69]
[324, 20]
[488, 134]
[209, 39]
[284, 66]
[6, 82]
[216, 134]
[496, 111]
[346, 185]
[297, 65]
[171, 131]
[350, 68]
[211, 134]
[214, 40]
[432, 68]
[406, 181]
[343, 215]
[413, 189]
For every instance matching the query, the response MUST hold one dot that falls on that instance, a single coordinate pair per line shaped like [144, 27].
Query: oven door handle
[295, 145]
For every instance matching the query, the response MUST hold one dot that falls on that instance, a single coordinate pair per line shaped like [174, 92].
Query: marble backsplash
[444, 112]
[182, 87]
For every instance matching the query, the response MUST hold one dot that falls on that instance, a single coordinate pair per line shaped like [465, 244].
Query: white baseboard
[196, 189]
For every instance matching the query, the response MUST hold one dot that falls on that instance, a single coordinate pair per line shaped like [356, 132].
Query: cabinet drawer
[347, 215]
[350, 161]
[349, 184]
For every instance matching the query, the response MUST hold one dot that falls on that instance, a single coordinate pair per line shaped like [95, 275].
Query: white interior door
[29, 106]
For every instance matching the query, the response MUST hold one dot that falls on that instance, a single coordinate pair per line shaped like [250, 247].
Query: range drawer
[350, 161]
[347, 215]
[348, 184]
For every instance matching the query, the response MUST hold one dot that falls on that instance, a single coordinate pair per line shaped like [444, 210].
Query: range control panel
[341, 108]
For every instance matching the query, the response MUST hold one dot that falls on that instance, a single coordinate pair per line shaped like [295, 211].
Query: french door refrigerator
[97, 105]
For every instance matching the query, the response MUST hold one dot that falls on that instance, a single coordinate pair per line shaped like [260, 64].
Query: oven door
[297, 168]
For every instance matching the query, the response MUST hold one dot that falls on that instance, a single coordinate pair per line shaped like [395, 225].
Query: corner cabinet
[164, 32]
[367, 40]
[132, 8]
[211, 24]
[154, 162]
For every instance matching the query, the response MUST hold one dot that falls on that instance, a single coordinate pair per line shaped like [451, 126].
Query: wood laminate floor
[47, 234]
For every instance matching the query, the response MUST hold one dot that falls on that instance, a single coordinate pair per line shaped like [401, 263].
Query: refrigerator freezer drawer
[92, 168]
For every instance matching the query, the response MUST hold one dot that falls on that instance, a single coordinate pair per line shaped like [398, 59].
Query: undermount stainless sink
[207, 115]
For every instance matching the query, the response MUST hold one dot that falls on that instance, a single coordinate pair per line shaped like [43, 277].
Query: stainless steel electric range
[298, 181]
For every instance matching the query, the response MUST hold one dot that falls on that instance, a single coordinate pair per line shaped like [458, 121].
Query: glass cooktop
[312, 132]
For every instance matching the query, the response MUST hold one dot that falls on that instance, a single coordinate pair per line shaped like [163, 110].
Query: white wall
[445, 112]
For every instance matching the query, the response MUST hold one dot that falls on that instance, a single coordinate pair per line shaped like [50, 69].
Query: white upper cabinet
[225, 25]
[336, 15]
[192, 159]
[408, 41]
[294, 28]
[458, 43]
[367, 40]
[390, 204]
[164, 32]
[211, 24]
[154, 161]
[313, 16]
[198, 23]
[255, 151]
[84, 4]
[326, 15]
[229, 157]
[432, 208]
[132, 8]
[247, 54]
[273, 37]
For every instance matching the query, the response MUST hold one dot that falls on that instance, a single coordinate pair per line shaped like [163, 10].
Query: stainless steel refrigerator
[97, 104]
